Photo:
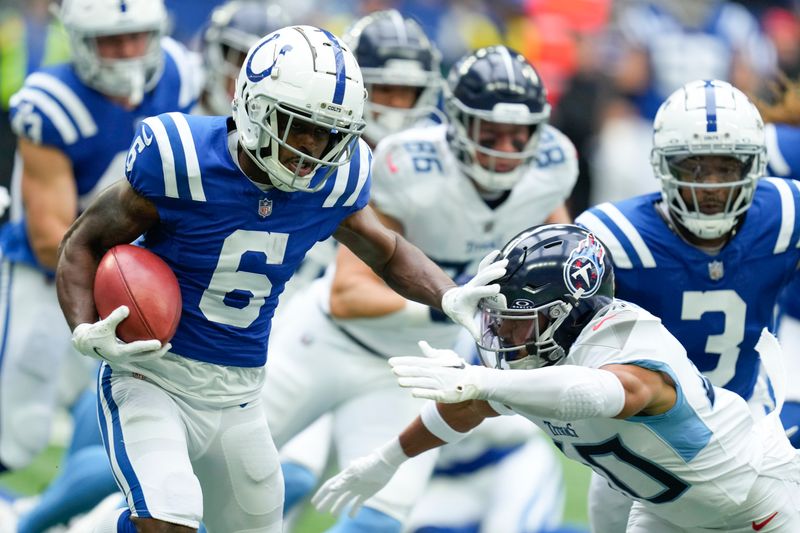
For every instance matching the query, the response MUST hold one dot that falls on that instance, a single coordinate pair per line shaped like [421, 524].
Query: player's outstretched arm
[410, 273]
[117, 216]
[438, 424]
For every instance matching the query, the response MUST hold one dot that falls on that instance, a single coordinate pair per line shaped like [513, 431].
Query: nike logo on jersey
[758, 526]
[599, 324]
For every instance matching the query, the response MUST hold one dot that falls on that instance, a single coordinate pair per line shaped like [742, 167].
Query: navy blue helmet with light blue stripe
[392, 49]
[494, 84]
[232, 29]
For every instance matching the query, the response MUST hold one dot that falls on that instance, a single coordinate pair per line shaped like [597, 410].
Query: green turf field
[34, 478]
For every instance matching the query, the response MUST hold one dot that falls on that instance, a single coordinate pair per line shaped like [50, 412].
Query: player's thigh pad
[240, 473]
[608, 508]
[34, 338]
[145, 438]
[369, 421]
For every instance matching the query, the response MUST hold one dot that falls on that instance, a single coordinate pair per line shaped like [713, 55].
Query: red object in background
[136, 277]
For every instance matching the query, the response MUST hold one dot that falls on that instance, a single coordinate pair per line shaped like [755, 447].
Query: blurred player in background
[286, 171]
[457, 191]
[74, 122]
[610, 385]
[717, 231]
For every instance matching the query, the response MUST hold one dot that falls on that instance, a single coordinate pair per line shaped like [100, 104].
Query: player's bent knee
[298, 482]
[367, 521]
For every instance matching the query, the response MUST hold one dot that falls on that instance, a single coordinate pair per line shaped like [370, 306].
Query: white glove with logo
[99, 340]
[441, 376]
[460, 303]
[360, 481]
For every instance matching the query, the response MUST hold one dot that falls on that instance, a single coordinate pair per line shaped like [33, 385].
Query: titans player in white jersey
[232, 205]
[457, 192]
[610, 385]
[75, 122]
[717, 233]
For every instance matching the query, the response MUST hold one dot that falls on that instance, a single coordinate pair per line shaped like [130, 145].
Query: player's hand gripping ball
[139, 279]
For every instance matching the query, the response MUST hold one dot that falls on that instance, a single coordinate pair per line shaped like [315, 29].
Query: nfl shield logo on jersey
[265, 207]
[583, 271]
[716, 270]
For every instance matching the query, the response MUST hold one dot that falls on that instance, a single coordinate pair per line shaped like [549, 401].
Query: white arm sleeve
[563, 392]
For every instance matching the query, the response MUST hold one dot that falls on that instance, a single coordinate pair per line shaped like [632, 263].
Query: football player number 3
[228, 278]
[726, 344]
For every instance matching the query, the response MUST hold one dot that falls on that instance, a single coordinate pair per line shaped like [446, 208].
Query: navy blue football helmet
[393, 50]
[232, 29]
[558, 277]
[494, 84]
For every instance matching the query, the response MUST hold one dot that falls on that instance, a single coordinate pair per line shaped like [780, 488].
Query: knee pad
[298, 482]
[367, 521]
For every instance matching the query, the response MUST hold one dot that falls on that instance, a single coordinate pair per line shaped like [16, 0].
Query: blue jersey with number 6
[715, 304]
[232, 244]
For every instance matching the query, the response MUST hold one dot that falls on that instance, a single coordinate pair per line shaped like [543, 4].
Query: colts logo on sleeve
[583, 271]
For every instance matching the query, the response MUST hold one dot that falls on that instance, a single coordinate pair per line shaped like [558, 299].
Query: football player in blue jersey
[709, 254]
[232, 205]
[74, 122]
[85, 478]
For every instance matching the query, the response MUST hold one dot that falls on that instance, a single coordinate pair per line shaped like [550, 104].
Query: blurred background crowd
[607, 64]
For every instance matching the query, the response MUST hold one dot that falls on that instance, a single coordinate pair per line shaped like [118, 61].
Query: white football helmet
[305, 74]
[708, 117]
[85, 20]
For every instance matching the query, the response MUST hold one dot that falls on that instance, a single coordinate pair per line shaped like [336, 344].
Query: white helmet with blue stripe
[130, 78]
[708, 118]
[300, 74]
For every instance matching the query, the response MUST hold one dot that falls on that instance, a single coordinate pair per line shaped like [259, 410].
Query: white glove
[441, 376]
[99, 340]
[360, 481]
[460, 303]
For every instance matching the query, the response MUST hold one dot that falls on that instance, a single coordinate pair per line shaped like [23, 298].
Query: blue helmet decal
[585, 268]
[258, 76]
[341, 75]
[711, 106]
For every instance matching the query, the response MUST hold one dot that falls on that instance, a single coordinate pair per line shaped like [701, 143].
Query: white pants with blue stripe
[35, 348]
[180, 460]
